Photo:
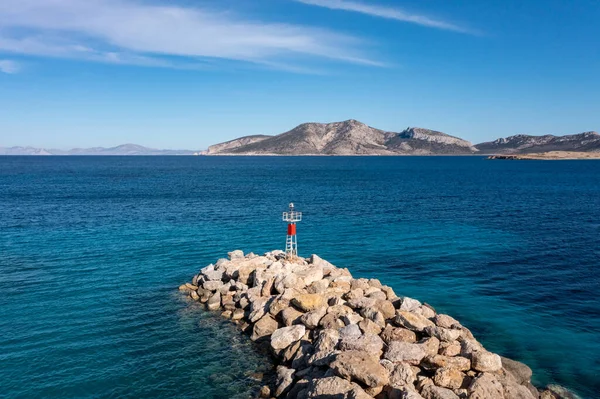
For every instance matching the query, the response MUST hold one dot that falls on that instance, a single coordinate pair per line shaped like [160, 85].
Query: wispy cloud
[9, 66]
[385, 12]
[130, 32]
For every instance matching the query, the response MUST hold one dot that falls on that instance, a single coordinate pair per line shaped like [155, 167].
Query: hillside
[234, 144]
[350, 137]
[524, 144]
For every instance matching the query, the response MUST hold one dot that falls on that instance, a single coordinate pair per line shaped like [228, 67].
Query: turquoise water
[93, 249]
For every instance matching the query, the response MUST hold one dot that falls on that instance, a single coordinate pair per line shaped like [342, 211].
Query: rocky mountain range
[350, 137]
[124, 149]
[525, 144]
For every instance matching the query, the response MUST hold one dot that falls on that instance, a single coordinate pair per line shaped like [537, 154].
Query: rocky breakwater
[334, 336]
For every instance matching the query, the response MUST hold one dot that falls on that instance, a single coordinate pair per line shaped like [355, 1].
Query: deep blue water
[92, 250]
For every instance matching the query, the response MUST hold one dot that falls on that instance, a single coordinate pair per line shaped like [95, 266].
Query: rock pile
[334, 336]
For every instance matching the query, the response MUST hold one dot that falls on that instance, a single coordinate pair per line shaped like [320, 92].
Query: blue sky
[187, 74]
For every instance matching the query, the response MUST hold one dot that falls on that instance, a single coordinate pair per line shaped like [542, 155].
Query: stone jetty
[338, 337]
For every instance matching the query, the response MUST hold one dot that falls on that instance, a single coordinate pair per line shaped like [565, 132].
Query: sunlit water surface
[92, 250]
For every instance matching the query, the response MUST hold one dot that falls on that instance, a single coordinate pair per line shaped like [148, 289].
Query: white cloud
[385, 12]
[130, 32]
[9, 66]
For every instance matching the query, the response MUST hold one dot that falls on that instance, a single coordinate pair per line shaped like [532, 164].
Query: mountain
[124, 149]
[236, 143]
[350, 137]
[525, 144]
[23, 151]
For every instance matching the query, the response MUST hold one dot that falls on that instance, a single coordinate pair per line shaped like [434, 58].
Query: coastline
[549, 156]
[331, 334]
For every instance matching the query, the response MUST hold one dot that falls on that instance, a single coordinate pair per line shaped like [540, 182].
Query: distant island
[124, 149]
[352, 137]
[550, 156]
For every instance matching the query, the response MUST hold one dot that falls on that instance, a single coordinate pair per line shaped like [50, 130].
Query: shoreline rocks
[334, 336]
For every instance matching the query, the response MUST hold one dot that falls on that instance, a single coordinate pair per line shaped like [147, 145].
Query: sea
[93, 249]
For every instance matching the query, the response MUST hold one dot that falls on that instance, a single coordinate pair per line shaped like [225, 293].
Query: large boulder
[390, 334]
[401, 373]
[360, 366]
[434, 392]
[449, 378]
[327, 267]
[412, 321]
[368, 343]
[285, 336]
[520, 371]
[449, 348]
[259, 308]
[311, 319]
[325, 345]
[486, 386]
[368, 326]
[399, 351]
[486, 361]
[439, 361]
[213, 285]
[308, 302]
[350, 331]
[430, 345]
[214, 302]
[236, 255]
[408, 304]
[445, 321]
[286, 280]
[264, 327]
[310, 274]
[285, 378]
[290, 316]
[329, 387]
[386, 308]
[443, 334]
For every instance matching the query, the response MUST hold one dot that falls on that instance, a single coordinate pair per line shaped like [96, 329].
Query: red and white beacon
[291, 243]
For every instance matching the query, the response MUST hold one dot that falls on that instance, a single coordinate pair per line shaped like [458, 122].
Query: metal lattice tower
[291, 242]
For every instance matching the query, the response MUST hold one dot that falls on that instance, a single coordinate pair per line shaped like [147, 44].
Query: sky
[191, 73]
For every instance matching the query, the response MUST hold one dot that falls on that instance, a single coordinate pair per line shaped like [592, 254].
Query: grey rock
[409, 304]
[443, 334]
[486, 386]
[285, 378]
[350, 331]
[311, 319]
[520, 371]
[329, 387]
[235, 255]
[325, 344]
[214, 302]
[369, 343]
[435, 392]
[399, 351]
[412, 321]
[486, 361]
[285, 336]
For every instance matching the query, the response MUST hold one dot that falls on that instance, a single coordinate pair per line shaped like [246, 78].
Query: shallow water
[93, 249]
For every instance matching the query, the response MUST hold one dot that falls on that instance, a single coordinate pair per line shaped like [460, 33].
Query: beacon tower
[291, 242]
